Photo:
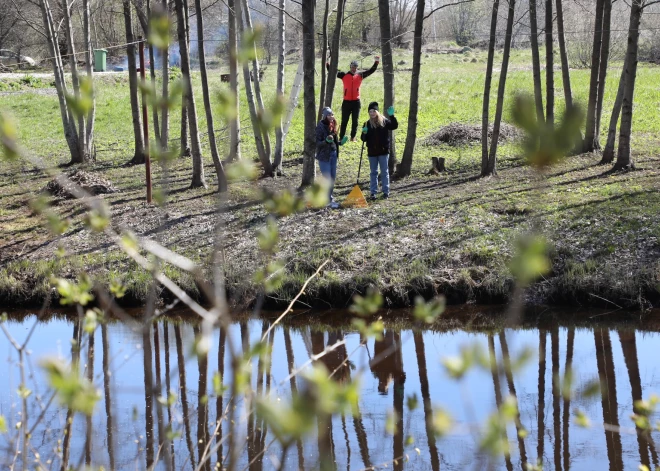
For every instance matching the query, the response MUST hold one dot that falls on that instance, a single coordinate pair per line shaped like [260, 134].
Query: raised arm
[391, 123]
[370, 71]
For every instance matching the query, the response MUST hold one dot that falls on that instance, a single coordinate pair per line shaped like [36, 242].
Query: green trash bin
[99, 60]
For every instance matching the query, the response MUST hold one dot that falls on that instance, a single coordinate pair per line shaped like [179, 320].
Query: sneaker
[372, 197]
[385, 196]
[335, 205]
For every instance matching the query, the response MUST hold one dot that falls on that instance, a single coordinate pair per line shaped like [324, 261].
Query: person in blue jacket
[327, 150]
[377, 136]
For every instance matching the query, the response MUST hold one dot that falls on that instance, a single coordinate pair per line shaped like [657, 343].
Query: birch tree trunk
[324, 51]
[80, 157]
[590, 131]
[624, 159]
[536, 61]
[388, 70]
[188, 94]
[549, 67]
[411, 135]
[88, 150]
[487, 85]
[68, 123]
[279, 129]
[219, 170]
[257, 87]
[234, 123]
[185, 30]
[165, 113]
[138, 156]
[491, 168]
[264, 158]
[608, 152]
[309, 96]
[334, 54]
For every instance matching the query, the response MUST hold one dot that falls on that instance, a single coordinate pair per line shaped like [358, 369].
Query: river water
[395, 373]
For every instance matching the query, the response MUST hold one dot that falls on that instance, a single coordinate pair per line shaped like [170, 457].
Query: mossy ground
[451, 233]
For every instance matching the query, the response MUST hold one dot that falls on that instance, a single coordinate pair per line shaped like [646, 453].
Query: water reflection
[136, 370]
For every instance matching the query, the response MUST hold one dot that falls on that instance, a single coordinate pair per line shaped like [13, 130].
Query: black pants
[349, 108]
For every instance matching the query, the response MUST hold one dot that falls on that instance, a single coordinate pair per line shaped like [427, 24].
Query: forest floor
[451, 234]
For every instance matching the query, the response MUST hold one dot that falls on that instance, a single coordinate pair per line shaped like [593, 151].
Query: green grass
[450, 233]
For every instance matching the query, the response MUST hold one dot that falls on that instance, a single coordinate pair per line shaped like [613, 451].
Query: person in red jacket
[350, 107]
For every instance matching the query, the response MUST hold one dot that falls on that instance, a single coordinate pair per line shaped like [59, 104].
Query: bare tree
[590, 137]
[139, 155]
[257, 91]
[388, 70]
[464, 22]
[88, 142]
[264, 158]
[487, 85]
[623, 159]
[403, 16]
[183, 27]
[565, 72]
[79, 136]
[491, 167]
[165, 113]
[198, 165]
[279, 129]
[143, 10]
[9, 23]
[536, 61]
[608, 151]
[411, 135]
[234, 123]
[324, 51]
[333, 64]
[549, 67]
[309, 96]
[602, 73]
[219, 170]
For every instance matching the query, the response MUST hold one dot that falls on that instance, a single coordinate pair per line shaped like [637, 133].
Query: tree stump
[437, 166]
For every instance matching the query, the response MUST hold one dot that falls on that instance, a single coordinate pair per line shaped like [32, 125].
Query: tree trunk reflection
[107, 396]
[605, 364]
[570, 341]
[88, 419]
[494, 371]
[506, 358]
[629, 347]
[148, 394]
[540, 423]
[75, 361]
[556, 405]
[202, 405]
[426, 398]
[184, 392]
[294, 389]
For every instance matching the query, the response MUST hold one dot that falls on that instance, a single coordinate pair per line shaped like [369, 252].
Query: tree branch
[447, 5]
[27, 22]
[283, 11]
[358, 12]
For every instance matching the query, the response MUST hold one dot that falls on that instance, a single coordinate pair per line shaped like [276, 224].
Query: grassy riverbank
[450, 233]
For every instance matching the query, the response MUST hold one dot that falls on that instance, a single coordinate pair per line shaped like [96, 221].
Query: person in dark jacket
[376, 133]
[327, 149]
[351, 105]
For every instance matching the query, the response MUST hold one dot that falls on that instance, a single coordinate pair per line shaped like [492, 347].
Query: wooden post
[145, 122]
